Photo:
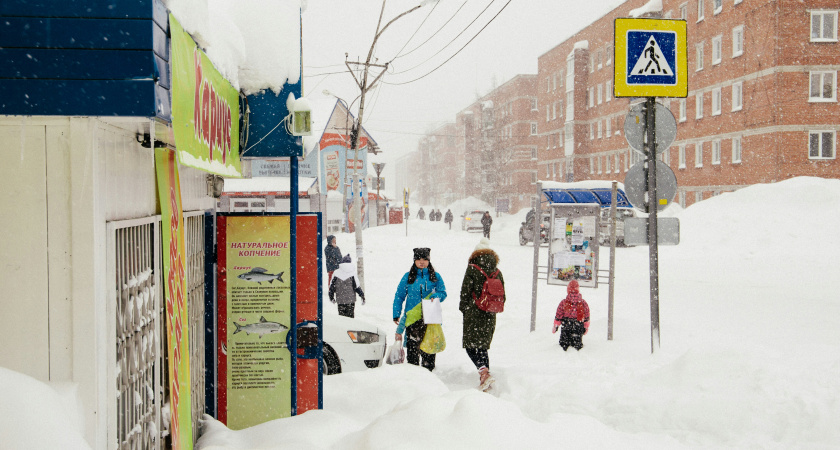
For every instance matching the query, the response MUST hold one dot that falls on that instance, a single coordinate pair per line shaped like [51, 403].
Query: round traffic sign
[635, 185]
[634, 127]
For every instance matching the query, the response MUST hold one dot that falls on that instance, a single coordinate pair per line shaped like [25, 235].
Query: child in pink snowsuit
[573, 315]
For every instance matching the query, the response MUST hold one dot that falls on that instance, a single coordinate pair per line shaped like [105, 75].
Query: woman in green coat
[479, 325]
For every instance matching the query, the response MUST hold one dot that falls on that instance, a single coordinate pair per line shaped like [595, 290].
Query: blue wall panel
[103, 34]
[267, 110]
[105, 9]
[57, 64]
[81, 98]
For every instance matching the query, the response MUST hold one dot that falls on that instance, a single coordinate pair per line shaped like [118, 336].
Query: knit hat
[346, 259]
[422, 253]
[483, 244]
[573, 286]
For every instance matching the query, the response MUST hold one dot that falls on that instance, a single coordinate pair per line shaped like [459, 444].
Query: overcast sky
[398, 115]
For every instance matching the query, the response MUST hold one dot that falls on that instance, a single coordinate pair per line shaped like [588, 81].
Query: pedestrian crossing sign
[650, 58]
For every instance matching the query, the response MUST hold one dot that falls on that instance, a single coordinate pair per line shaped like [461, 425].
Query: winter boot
[485, 380]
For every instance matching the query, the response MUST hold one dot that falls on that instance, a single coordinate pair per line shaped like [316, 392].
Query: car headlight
[363, 337]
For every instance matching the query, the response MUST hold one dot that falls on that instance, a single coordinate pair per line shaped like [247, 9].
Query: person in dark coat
[573, 315]
[486, 221]
[344, 287]
[479, 326]
[421, 214]
[333, 256]
[448, 218]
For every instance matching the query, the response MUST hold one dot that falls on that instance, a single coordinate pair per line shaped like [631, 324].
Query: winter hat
[573, 286]
[330, 239]
[346, 259]
[483, 244]
[422, 253]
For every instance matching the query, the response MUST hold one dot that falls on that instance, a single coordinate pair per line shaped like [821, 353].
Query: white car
[351, 344]
[471, 220]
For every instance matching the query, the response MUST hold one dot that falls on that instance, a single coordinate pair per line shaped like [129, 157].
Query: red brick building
[761, 107]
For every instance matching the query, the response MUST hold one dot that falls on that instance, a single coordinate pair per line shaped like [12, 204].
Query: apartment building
[761, 107]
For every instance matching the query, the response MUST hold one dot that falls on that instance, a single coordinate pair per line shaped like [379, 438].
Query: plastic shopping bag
[433, 341]
[397, 354]
[432, 312]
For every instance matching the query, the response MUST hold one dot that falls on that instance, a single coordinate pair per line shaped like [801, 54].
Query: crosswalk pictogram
[652, 61]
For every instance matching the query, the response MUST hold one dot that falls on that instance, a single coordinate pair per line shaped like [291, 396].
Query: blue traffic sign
[652, 57]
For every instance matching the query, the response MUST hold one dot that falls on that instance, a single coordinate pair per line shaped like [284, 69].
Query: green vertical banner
[177, 319]
[205, 109]
[254, 316]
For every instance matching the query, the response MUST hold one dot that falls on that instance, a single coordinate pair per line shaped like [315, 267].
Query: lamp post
[354, 137]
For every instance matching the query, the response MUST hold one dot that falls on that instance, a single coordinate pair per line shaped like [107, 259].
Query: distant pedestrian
[344, 287]
[333, 255]
[486, 221]
[573, 316]
[416, 285]
[438, 216]
[421, 214]
[448, 218]
[479, 325]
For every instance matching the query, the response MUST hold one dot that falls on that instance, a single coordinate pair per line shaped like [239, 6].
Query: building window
[591, 131]
[698, 154]
[533, 105]
[533, 128]
[823, 26]
[718, 6]
[560, 107]
[609, 54]
[736, 150]
[553, 110]
[716, 151]
[607, 164]
[533, 177]
[738, 41]
[599, 165]
[682, 110]
[600, 58]
[699, 48]
[547, 113]
[591, 165]
[716, 101]
[608, 90]
[684, 11]
[823, 87]
[700, 10]
[600, 93]
[560, 139]
[547, 84]
[737, 96]
[600, 134]
[533, 152]
[698, 196]
[682, 157]
[608, 131]
[821, 145]
[570, 105]
[717, 49]
[616, 163]
[591, 97]
[698, 103]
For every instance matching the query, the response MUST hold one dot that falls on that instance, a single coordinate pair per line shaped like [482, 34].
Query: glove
[397, 337]
[554, 329]
[363, 300]
[332, 299]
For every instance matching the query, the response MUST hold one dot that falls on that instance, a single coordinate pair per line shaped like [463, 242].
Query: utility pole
[378, 168]
[364, 86]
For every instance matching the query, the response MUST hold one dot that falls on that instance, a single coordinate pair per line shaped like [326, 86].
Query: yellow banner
[177, 319]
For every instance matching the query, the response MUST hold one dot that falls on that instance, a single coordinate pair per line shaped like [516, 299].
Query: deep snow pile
[750, 353]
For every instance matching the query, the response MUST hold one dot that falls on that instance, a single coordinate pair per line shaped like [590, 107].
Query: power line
[322, 74]
[432, 35]
[453, 39]
[415, 31]
[456, 53]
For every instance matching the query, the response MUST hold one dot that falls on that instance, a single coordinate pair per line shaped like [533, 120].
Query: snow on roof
[583, 45]
[487, 104]
[267, 184]
[588, 184]
[649, 7]
[255, 47]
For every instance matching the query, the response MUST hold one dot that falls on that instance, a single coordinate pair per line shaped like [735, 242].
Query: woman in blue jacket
[416, 285]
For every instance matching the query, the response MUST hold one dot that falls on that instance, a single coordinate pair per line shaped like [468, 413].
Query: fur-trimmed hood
[485, 258]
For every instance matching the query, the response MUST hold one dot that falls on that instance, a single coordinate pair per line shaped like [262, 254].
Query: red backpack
[492, 298]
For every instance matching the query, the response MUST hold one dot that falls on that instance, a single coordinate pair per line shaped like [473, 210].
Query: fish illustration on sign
[262, 327]
[258, 275]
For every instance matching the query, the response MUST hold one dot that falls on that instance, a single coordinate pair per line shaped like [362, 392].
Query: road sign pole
[652, 207]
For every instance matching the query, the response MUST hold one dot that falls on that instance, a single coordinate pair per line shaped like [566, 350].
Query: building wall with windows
[761, 107]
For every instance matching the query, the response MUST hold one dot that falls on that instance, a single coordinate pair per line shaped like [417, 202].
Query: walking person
[333, 255]
[573, 316]
[486, 222]
[479, 326]
[421, 214]
[344, 287]
[420, 281]
[448, 218]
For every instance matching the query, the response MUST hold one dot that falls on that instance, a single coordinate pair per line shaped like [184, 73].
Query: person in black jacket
[486, 221]
[344, 287]
[333, 255]
[448, 218]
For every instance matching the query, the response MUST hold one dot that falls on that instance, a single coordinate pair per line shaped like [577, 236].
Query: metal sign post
[537, 222]
[652, 207]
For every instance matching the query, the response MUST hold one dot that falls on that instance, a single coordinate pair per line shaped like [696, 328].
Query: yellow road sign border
[620, 86]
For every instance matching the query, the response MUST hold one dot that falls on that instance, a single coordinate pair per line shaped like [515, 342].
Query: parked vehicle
[471, 220]
[526, 230]
[351, 344]
[620, 215]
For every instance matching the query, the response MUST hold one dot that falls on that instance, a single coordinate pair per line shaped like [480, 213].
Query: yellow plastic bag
[433, 341]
